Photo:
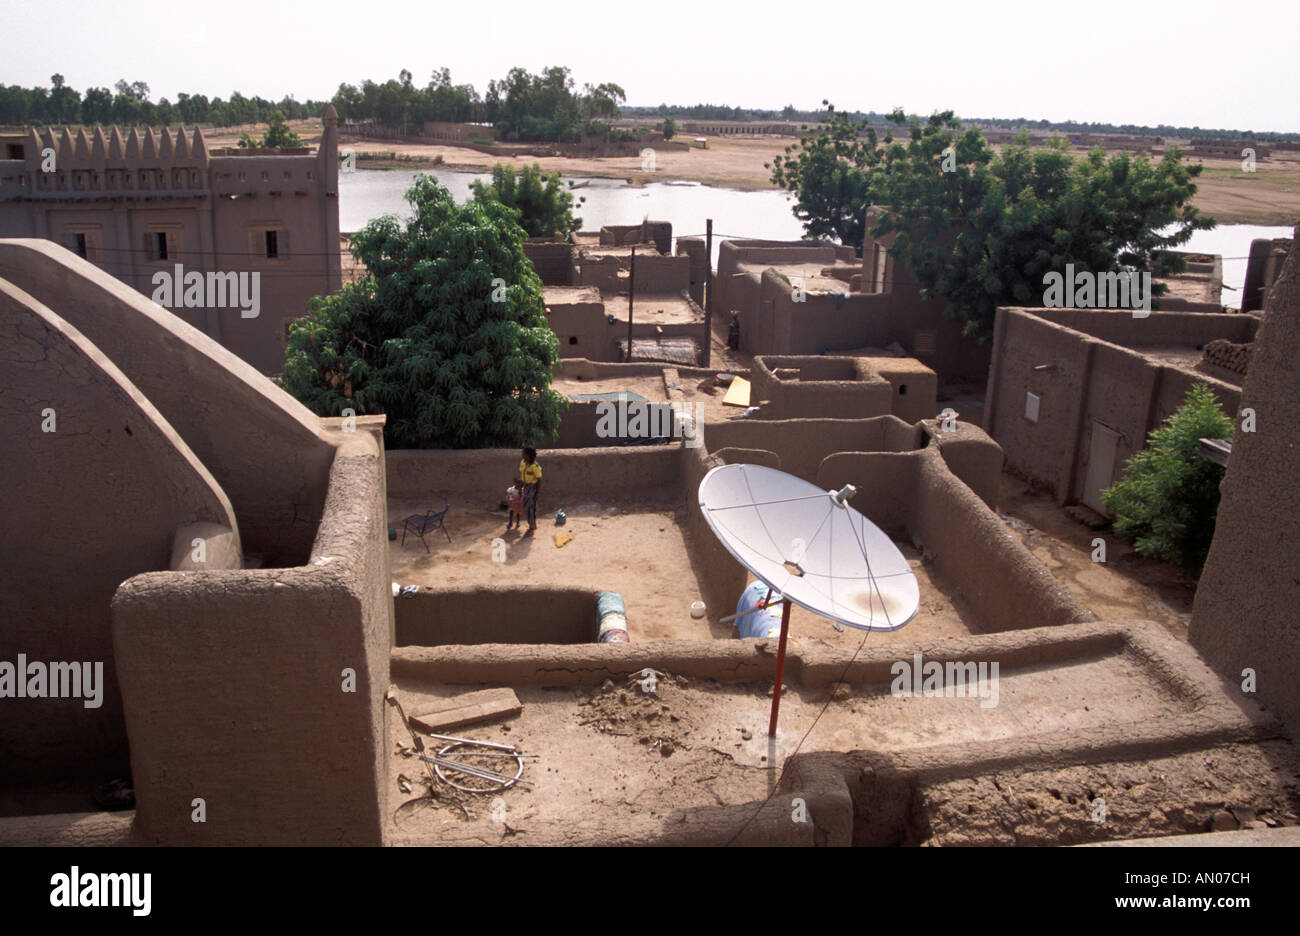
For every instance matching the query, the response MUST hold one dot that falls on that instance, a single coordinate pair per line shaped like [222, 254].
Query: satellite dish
[810, 546]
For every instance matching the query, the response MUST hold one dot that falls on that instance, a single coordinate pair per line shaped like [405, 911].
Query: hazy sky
[1195, 62]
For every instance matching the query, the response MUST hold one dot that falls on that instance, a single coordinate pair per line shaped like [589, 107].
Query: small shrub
[1167, 499]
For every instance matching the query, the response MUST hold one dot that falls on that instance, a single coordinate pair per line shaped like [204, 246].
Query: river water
[371, 193]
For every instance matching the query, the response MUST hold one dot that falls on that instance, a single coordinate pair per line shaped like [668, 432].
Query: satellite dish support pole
[780, 668]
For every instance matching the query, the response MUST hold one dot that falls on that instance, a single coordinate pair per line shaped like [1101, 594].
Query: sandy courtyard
[640, 550]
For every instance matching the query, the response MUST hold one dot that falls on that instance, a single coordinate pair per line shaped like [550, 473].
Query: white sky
[1204, 63]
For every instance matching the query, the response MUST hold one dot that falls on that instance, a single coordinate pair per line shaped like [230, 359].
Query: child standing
[515, 501]
[530, 475]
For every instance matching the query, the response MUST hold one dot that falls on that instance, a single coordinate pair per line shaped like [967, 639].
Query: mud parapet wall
[792, 387]
[569, 475]
[801, 444]
[856, 387]
[1157, 330]
[228, 676]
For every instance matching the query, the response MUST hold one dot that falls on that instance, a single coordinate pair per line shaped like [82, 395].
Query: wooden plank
[737, 392]
[467, 709]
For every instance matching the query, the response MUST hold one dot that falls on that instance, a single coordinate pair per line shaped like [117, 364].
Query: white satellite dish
[810, 546]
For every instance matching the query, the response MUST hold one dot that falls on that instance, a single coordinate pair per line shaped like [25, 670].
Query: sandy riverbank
[1269, 196]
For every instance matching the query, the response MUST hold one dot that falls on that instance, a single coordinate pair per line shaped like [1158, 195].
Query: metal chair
[423, 524]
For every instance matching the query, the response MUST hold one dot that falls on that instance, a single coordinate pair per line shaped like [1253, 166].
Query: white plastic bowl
[697, 609]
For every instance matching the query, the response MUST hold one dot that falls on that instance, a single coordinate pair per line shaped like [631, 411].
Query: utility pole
[708, 291]
[631, 289]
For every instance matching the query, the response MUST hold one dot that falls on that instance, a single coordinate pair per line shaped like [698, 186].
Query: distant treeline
[542, 107]
[789, 114]
[521, 106]
[1164, 130]
[129, 104]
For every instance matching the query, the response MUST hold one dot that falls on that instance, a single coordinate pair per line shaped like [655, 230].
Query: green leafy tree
[830, 175]
[543, 205]
[981, 228]
[670, 129]
[446, 335]
[1166, 501]
[278, 134]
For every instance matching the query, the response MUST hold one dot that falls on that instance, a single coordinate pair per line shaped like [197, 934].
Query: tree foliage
[128, 103]
[980, 228]
[544, 107]
[544, 206]
[830, 173]
[1166, 501]
[446, 335]
[670, 128]
[278, 134]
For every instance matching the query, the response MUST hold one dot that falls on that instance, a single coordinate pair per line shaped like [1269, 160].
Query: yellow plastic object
[561, 539]
[737, 393]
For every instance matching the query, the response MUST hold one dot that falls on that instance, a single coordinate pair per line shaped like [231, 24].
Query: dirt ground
[632, 759]
[1124, 587]
[1165, 796]
[640, 550]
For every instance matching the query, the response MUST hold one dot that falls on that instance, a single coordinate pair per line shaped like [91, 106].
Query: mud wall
[1245, 612]
[1001, 581]
[568, 475]
[581, 423]
[98, 485]
[701, 267]
[720, 576]
[1083, 380]
[261, 444]
[802, 444]
[667, 275]
[582, 330]
[1159, 329]
[660, 233]
[887, 498]
[791, 387]
[517, 615]
[970, 455]
[552, 260]
[823, 320]
[915, 387]
[261, 691]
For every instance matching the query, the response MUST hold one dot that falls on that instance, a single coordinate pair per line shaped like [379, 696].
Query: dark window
[160, 245]
[573, 339]
[79, 245]
[902, 389]
[272, 245]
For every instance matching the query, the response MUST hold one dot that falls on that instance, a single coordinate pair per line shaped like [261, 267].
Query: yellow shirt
[529, 474]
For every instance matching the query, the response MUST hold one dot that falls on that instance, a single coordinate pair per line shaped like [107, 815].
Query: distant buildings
[152, 207]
